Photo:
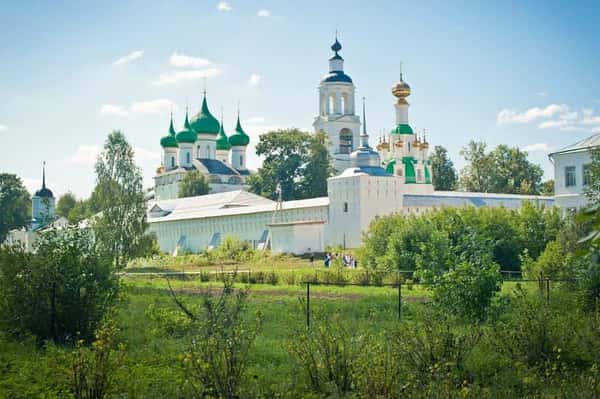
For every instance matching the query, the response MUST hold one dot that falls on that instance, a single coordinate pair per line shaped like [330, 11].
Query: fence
[544, 287]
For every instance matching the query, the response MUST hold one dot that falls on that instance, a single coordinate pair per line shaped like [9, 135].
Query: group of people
[345, 259]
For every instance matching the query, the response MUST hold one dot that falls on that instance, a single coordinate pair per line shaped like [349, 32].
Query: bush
[467, 289]
[59, 292]
[220, 338]
[327, 354]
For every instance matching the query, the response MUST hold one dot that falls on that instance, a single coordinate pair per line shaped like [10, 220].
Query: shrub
[327, 354]
[272, 278]
[467, 289]
[93, 369]
[220, 338]
[59, 292]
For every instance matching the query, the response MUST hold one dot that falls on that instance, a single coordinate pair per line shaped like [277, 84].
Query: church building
[397, 178]
[202, 145]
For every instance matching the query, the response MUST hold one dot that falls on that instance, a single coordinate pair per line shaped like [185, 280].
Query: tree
[60, 291]
[503, 170]
[318, 167]
[547, 188]
[121, 224]
[15, 204]
[193, 183]
[592, 190]
[297, 161]
[65, 204]
[444, 174]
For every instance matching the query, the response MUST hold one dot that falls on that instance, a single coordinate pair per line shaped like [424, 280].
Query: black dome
[337, 76]
[44, 193]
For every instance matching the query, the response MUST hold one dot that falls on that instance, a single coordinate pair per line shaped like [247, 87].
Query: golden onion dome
[401, 89]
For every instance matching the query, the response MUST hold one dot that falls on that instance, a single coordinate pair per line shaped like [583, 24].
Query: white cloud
[264, 13]
[538, 147]
[224, 6]
[183, 60]
[134, 55]
[254, 79]
[112, 109]
[553, 116]
[3, 128]
[507, 116]
[160, 106]
[174, 77]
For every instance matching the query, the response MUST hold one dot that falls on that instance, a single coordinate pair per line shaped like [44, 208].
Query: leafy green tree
[503, 170]
[61, 291]
[121, 224]
[297, 161]
[65, 204]
[193, 183]
[318, 167]
[15, 204]
[467, 289]
[444, 174]
[592, 190]
[547, 188]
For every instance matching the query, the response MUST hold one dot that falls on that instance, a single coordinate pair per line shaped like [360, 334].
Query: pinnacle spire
[364, 138]
[44, 175]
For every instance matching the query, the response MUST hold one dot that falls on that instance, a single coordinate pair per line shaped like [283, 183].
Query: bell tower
[337, 113]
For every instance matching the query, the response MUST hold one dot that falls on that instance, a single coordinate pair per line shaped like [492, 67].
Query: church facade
[369, 183]
[202, 145]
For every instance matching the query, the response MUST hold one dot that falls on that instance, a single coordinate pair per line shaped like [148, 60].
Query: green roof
[427, 176]
[222, 142]
[169, 140]
[186, 135]
[409, 169]
[240, 137]
[390, 166]
[402, 128]
[204, 122]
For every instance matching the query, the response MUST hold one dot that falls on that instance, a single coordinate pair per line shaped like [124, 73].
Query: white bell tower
[337, 114]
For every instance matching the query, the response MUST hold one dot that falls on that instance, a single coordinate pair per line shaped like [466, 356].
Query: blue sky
[513, 72]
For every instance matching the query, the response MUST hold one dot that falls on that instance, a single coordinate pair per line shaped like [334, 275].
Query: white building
[398, 178]
[43, 205]
[571, 172]
[202, 145]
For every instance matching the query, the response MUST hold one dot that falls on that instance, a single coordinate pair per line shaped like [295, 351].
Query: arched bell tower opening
[346, 141]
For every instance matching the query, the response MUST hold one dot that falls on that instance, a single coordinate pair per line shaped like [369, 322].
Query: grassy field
[153, 332]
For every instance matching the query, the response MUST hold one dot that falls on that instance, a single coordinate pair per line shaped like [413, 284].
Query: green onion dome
[204, 122]
[239, 138]
[402, 129]
[187, 135]
[222, 141]
[169, 140]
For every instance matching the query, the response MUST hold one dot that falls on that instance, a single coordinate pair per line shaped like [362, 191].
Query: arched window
[172, 162]
[343, 104]
[331, 105]
[346, 144]
[187, 157]
[207, 152]
[241, 160]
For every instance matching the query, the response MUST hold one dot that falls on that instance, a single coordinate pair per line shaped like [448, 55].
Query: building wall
[573, 196]
[355, 201]
[247, 227]
[298, 239]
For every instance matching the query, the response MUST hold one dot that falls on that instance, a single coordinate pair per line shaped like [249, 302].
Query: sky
[522, 73]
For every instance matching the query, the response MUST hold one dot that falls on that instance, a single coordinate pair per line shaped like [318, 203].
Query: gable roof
[582, 145]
